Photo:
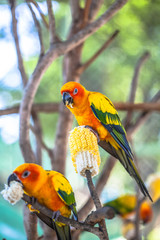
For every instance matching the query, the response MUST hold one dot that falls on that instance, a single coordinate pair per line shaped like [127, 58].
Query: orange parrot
[51, 189]
[95, 110]
[125, 206]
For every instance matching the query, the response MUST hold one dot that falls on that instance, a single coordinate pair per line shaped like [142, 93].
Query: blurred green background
[111, 74]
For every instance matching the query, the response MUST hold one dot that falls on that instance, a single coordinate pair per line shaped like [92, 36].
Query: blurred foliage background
[111, 74]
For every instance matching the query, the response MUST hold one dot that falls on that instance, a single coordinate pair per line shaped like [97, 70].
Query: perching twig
[97, 203]
[79, 225]
[84, 66]
[104, 212]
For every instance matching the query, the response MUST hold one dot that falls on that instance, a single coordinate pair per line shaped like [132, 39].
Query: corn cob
[84, 150]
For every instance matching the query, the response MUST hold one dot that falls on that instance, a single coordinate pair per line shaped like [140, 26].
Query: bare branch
[41, 142]
[52, 25]
[104, 176]
[49, 213]
[96, 216]
[15, 36]
[38, 130]
[134, 84]
[36, 107]
[84, 66]
[142, 117]
[54, 107]
[30, 224]
[75, 10]
[97, 203]
[40, 12]
[86, 12]
[42, 50]
[138, 106]
[95, 6]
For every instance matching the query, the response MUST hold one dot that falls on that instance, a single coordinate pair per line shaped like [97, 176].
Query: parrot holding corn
[95, 110]
[51, 189]
[125, 206]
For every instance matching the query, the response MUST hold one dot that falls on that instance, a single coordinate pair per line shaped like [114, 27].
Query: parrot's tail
[132, 170]
[63, 232]
[128, 164]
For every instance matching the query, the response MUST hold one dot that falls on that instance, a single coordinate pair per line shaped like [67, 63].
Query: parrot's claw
[55, 215]
[93, 131]
[33, 200]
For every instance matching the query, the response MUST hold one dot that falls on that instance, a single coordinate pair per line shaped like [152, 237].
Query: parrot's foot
[30, 206]
[55, 215]
[93, 131]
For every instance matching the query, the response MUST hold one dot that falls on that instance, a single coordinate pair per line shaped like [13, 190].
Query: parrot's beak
[13, 177]
[67, 99]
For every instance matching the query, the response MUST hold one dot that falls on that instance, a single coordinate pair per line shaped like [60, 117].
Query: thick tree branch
[54, 107]
[84, 66]
[16, 40]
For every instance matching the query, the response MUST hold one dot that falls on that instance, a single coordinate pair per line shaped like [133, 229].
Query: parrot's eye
[26, 174]
[75, 91]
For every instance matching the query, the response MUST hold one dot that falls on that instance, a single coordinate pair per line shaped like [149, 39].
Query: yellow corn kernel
[84, 150]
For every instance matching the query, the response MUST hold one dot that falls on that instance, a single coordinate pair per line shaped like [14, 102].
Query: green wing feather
[106, 113]
[65, 192]
[123, 205]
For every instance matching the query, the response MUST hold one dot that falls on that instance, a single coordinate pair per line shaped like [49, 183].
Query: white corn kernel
[84, 150]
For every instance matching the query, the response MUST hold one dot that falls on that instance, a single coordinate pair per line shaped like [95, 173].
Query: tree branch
[42, 50]
[78, 225]
[134, 84]
[52, 25]
[12, 4]
[56, 50]
[54, 107]
[142, 117]
[40, 12]
[41, 142]
[96, 216]
[97, 203]
[86, 13]
[84, 66]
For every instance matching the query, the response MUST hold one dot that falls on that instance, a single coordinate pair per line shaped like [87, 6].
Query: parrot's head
[146, 212]
[73, 94]
[29, 175]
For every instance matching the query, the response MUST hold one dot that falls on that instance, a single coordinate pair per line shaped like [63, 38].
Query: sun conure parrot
[125, 206]
[95, 110]
[51, 189]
